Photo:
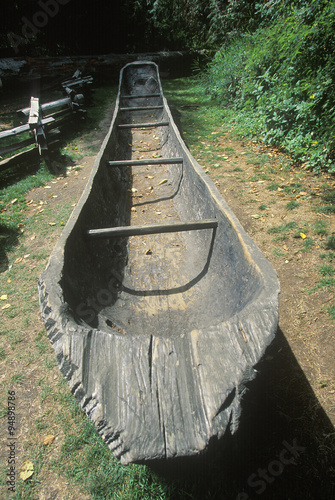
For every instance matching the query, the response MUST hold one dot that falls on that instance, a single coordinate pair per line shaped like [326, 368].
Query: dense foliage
[275, 62]
[280, 79]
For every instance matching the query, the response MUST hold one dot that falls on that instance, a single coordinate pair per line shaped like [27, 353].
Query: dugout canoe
[157, 303]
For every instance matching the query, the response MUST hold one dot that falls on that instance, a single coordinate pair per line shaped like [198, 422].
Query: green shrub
[279, 80]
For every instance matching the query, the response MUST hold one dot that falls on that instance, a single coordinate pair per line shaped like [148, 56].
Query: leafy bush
[280, 79]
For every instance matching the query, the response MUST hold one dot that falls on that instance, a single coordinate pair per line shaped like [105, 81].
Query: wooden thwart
[140, 108]
[139, 96]
[110, 232]
[141, 125]
[147, 161]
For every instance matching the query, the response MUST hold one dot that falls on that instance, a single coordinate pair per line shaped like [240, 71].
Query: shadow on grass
[8, 238]
[283, 449]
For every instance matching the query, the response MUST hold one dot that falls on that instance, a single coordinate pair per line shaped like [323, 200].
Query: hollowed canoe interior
[165, 284]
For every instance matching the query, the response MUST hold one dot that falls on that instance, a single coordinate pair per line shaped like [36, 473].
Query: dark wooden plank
[24, 155]
[142, 125]
[86, 80]
[155, 161]
[66, 101]
[140, 108]
[16, 146]
[22, 128]
[110, 232]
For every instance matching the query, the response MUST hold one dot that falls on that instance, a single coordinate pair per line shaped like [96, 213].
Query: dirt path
[278, 207]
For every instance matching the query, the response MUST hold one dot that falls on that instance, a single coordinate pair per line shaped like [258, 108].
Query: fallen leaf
[256, 216]
[302, 235]
[14, 201]
[52, 223]
[133, 209]
[19, 259]
[27, 470]
[47, 187]
[285, 247]
[49, 439]
[26, 256]
[7, 306]
[9, 280]
[134, 190]
[33, 237]
[148, 252]
[3, 297]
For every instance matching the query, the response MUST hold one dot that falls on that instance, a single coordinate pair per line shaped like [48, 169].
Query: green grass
[292, 205]
[326, 270]
[330, 243]
[307, 244]
[13, 202]
[283, 228]
[330, 256]
[320, 227]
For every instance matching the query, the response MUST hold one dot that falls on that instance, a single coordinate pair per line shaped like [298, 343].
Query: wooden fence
[44, 121]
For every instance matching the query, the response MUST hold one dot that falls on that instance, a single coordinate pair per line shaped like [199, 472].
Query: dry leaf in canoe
[27, 470]
[163, 181]
[49, 439]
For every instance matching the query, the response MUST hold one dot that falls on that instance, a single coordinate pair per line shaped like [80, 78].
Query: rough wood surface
[158, 336]
[22, 128]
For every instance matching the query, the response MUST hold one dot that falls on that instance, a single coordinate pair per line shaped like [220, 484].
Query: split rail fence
[42, 131]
